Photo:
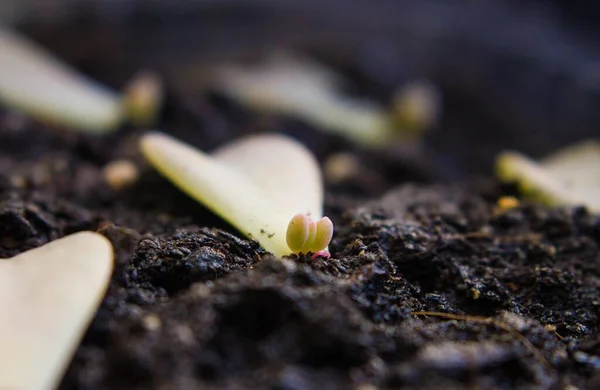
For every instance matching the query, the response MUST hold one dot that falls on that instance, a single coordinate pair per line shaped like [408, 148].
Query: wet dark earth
[430, 285]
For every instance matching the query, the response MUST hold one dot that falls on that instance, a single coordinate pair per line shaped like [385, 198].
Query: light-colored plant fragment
[258, 184]
[48, 297]
[569, 177]
[309, 91]
[36, 83]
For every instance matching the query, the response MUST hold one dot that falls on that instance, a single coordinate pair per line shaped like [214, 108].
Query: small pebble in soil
[152, 322]
[507, 203]
[341, 167]
[120, 174]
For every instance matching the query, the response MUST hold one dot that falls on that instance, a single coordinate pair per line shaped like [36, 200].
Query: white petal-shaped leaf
[48, 296]
[569, 177]
[38, 84]
[256, 184]
[281, 167]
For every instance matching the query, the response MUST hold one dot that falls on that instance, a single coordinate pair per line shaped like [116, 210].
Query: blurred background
[512, 74]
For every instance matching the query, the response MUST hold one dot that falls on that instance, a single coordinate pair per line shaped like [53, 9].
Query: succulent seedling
[570, 176]
[38, 84]
[267, 186]
[298, 87]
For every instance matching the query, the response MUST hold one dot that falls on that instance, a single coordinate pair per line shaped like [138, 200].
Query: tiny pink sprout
[305, 235]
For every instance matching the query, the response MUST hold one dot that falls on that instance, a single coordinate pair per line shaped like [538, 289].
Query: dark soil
[194, 305]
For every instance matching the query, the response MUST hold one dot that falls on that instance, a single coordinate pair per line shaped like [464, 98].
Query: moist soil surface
[430, 285]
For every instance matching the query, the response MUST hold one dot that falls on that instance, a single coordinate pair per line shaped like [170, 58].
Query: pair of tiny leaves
[304, 235]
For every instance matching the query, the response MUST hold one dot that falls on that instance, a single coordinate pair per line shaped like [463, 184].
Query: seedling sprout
[569, 177]
[35, 82]
[290, 85]
[267, 186]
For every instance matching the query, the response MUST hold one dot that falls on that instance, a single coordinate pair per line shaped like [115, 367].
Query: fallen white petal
[48, 296]
[38, 84]
[257, 184]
